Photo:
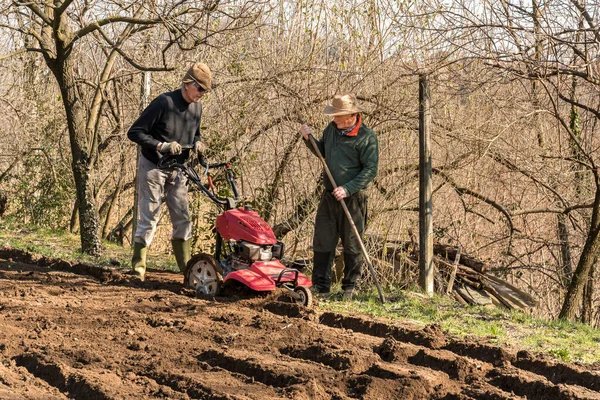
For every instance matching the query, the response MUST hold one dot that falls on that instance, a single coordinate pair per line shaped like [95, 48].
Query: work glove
[170, 147]
[199, 147]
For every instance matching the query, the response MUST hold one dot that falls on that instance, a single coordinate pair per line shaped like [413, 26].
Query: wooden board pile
[465, 278]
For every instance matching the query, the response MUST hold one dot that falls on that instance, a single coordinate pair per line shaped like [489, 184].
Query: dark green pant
[331, 224]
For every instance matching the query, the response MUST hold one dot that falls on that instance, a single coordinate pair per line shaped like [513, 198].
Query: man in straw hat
[351, 152]
[171, 121]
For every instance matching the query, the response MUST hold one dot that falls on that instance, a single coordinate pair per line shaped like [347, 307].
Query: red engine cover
[240, 224]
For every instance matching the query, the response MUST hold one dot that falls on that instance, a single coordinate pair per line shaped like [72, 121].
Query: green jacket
[352, 160]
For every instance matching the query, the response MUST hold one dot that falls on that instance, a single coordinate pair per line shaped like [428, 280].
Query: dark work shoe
[321, 295]
[348, 294]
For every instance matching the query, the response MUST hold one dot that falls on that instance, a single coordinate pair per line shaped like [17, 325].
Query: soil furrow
[431, 336]
[339, 359]
[534, 386]
[408, 382]
[457, 367]
[271, 373]
[68, 381]
[16, 383]
[558, 373]
[289, 310]
[485, 391]
[391, 350]
[219, 387]
[494, 355]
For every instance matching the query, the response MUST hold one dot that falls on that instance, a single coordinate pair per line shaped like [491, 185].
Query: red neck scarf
[354, 130]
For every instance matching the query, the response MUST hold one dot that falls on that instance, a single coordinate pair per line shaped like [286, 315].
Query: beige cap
[199, 73]
[343, 104]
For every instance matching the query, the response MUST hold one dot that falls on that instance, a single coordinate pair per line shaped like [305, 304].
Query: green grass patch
[67, 246]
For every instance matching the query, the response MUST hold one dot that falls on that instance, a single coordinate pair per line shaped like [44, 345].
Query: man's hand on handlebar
[172, 148]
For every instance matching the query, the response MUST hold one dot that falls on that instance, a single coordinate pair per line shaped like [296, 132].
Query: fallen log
[462, 294]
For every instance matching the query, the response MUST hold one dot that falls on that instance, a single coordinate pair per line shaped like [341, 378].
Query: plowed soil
[83, 332]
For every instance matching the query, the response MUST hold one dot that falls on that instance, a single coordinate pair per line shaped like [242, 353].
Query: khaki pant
[152, 184]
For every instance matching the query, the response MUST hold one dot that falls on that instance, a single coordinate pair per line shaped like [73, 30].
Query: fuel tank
[245, 224]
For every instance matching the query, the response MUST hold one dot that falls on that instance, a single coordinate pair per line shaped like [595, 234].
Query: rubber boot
[183, 252]
[138, 261]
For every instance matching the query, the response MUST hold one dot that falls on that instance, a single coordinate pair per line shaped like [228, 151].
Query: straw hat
[199, 73]
[343, 104]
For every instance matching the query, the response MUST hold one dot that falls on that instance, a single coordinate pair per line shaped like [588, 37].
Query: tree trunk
[144, 101]
[3, 201]
[81, 164]
[565, 269]
[587, 313]
[574, 295]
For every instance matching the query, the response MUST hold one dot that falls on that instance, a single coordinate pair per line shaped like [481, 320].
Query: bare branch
[112, 20]
[463, 190]
[588, 18]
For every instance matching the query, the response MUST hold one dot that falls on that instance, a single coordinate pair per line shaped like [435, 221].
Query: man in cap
[351, 152]
[172, 120]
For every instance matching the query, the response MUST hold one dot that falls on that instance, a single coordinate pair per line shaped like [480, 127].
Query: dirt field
[82, 332]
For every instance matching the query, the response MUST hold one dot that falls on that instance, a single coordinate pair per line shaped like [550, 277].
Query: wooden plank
[462, 293]
[453, 273]
[507, 295]
[495, 300]
[515, 292]
[479, 297]
[471, 283]
[505, 302]
[426, 266]
[459, 298]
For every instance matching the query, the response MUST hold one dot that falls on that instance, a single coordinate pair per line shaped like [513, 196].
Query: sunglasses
[198, 87]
